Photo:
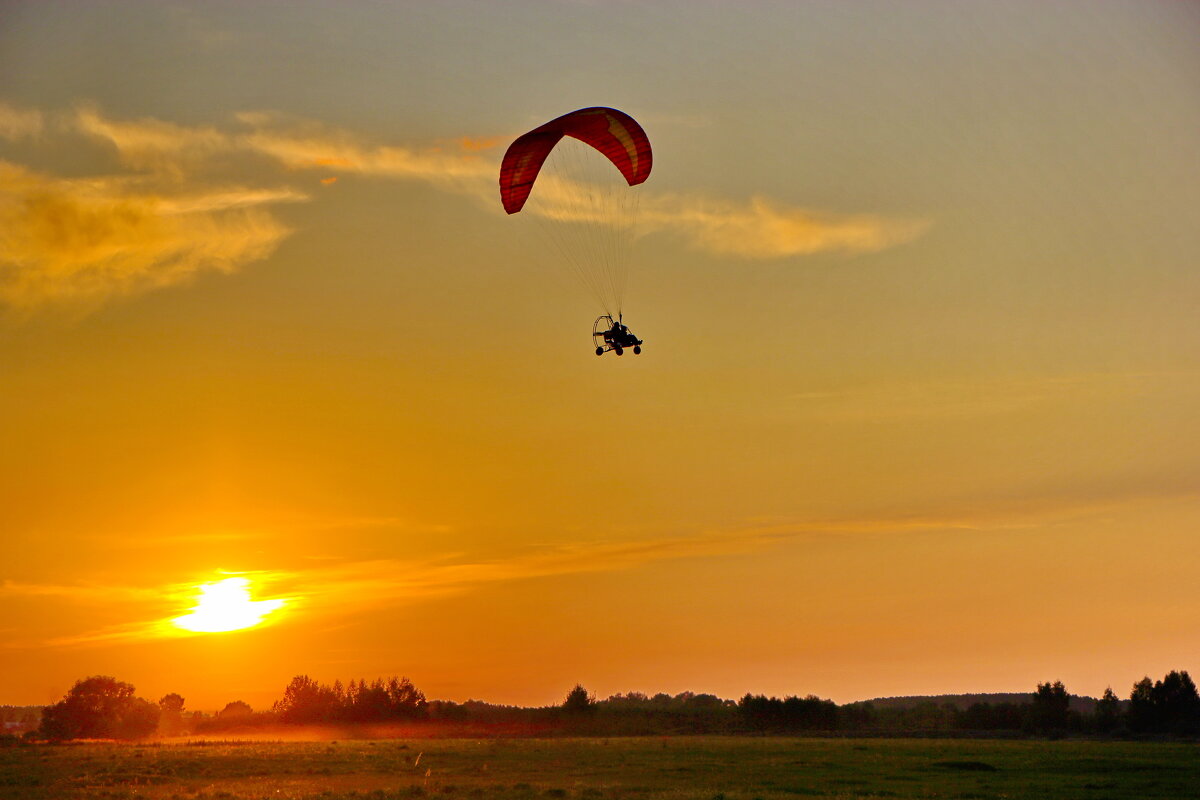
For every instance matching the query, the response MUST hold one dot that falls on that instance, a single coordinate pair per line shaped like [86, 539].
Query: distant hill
[1081, 703]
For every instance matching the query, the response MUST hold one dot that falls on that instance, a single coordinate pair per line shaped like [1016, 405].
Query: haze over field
[916, 413]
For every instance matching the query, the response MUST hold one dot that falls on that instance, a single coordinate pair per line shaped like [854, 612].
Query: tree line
[102, 707]
[305, 701]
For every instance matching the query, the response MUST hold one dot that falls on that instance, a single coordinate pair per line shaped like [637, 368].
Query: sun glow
[226, 606]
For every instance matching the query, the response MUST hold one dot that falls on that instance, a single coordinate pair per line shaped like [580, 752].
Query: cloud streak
[16, 123]
[88, 239]
[85, 240]
[337, 589]
[84, 592]
[763, 228]
[760, 228]
[167, 602]
[153, 145]
[986, 397]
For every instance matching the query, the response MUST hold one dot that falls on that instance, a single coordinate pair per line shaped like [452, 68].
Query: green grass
[678, 768]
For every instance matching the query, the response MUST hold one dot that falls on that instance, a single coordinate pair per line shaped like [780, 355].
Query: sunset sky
[917, 412]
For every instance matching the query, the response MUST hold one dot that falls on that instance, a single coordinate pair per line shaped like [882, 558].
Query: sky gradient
[916, 413]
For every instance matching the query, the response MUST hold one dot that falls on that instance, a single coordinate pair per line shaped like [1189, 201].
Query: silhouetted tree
[1051, 706]
[306, 701]
[992, 717]
[405, 701]
[139, 720]
[447, 711]
[759, 712]
[1108, 712]
[100, 707]
[857, 716]
[170, 720]
[1141, 706]
[382, 700]
[1176, 704]
[237, 711]
[366, 702]
[578, 701]
[635, 714]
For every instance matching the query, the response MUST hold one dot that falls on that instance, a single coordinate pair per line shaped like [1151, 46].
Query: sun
[226, 606]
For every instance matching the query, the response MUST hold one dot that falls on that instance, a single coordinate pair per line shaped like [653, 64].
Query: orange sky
[916, 411]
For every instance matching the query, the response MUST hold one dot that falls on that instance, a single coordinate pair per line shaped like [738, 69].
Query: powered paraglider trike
[609, 334]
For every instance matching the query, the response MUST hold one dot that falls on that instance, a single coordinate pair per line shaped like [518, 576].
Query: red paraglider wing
[614, 133]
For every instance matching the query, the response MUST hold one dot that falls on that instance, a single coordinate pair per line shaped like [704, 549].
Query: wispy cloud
[765, 228]
[758, 228]
[120, 599]
[309, 145]
[987, 397]
[331, 589]
[475, 145]
[81, 591]
[294, 144]
[162, 604]
[17, 123]
[153, 145]
[87, 239]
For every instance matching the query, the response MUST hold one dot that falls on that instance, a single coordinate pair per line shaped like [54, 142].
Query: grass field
[682, 768]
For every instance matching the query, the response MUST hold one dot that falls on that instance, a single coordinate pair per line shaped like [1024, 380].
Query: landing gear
[608, 334]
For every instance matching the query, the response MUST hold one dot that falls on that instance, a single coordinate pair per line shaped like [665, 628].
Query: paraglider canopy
[614, 133]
